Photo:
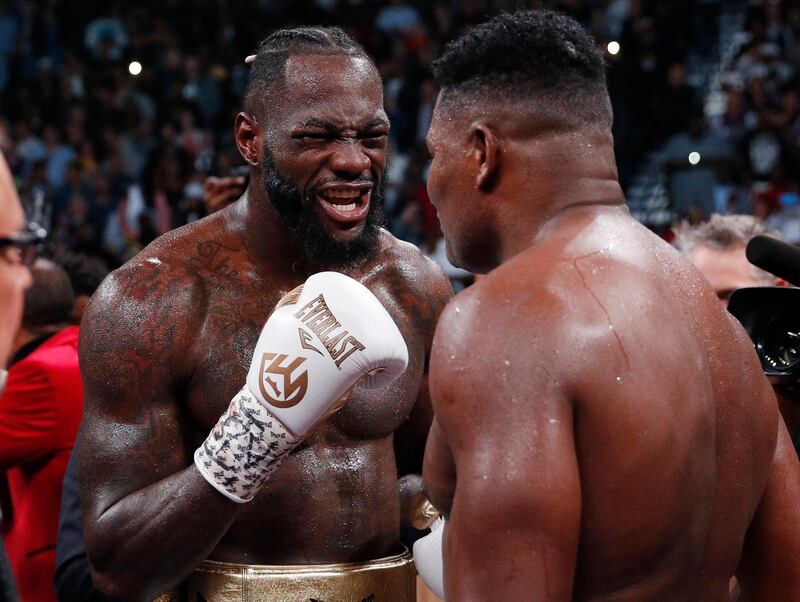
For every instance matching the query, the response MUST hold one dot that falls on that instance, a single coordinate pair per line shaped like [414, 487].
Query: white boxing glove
[322, 339]
[429, 560]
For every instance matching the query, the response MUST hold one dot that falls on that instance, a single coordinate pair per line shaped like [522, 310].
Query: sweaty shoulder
[404, 261]
[415, 280]
[150, 306]
[488, 326]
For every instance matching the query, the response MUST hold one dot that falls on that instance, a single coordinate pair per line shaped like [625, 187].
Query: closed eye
[374, 134]
[315, 135]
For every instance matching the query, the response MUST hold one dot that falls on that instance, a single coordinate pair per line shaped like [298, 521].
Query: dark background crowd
[113, 113]
[747, 138]
[760, 122]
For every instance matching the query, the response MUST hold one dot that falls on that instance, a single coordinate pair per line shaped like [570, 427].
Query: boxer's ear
[486, 153]
[248, 138]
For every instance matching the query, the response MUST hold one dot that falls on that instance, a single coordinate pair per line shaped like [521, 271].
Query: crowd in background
[750, 145]
[109, 157]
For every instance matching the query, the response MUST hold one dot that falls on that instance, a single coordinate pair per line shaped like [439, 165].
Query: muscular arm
[425, 305]
[149, 516]
[769, 568]
[513, 528]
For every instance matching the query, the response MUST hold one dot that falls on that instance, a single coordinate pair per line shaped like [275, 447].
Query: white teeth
[349, 207]
[341, 194]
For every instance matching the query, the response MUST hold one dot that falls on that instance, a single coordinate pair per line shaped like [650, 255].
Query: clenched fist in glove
[322, 339]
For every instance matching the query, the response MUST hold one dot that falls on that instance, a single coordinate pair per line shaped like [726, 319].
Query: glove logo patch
[305, 341]
[276, 382]
[319, 319]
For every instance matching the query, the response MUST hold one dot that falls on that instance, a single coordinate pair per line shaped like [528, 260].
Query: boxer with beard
[286, 498]
[603, 429]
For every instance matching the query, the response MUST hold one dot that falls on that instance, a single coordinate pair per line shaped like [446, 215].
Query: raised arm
[513, 528]
[769, 567]
[149, 516]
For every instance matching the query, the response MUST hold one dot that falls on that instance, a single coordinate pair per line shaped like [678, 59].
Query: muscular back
[620, 417]
[166, 344]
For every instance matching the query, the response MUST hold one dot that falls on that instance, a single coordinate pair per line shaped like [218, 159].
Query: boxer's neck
[547, 178]
[267, 240]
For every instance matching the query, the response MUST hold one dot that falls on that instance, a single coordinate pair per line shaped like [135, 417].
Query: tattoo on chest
[218, 259]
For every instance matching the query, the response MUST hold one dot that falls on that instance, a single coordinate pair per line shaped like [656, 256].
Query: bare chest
[236, 309]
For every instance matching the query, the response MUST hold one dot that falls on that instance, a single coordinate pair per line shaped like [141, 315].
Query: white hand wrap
[243, 449]
[320, 341]
[428, 558]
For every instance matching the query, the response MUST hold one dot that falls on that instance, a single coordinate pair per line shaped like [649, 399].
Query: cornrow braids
[266, 70]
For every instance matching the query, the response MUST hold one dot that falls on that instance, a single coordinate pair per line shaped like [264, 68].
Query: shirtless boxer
[603, 430]
[168, 343]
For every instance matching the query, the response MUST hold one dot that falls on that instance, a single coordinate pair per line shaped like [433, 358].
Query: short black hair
[274, 50]
[538, 56]
[50, 297]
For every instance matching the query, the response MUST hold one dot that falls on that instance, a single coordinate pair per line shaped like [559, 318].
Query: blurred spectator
[752, 151]
[692, 159]
[786, 217]
[218, 193]
[85, 275]
[677, 101]
[59, 156]
[14, 279]
[106, 38]
[717, 248]
[40, 411]
[398, 17]
[731, 193]
[72, 579]
[734, 121]
[436, 249]
[763, 150]
[143, 98]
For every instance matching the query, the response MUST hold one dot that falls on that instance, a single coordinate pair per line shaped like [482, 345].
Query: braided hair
[266, 71]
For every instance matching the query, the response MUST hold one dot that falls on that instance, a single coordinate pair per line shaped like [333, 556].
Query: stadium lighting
[135, 68]
[613, 47]
[694, 157]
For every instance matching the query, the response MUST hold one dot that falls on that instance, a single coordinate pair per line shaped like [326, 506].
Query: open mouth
[345, 204]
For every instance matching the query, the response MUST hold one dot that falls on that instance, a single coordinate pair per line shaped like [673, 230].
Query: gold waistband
[390, 579]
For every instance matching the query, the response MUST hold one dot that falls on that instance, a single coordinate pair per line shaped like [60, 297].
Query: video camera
[771, 314]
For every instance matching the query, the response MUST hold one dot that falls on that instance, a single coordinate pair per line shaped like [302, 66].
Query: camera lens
[779, 345]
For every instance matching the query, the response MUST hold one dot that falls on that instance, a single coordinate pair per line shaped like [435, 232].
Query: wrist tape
[243, 449]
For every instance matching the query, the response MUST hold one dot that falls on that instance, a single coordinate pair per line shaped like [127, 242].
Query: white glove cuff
[429, 560]
[243, 449]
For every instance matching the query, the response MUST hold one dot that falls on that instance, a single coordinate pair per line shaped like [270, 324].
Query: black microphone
[776, 257]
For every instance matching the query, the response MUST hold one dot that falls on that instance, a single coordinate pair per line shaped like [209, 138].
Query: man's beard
[304, 226]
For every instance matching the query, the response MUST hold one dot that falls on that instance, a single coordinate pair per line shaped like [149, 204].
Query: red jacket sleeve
[28, 417]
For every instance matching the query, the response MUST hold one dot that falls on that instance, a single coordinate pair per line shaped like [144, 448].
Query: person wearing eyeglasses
[14, 274]
[14, 279]
[40, 411]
